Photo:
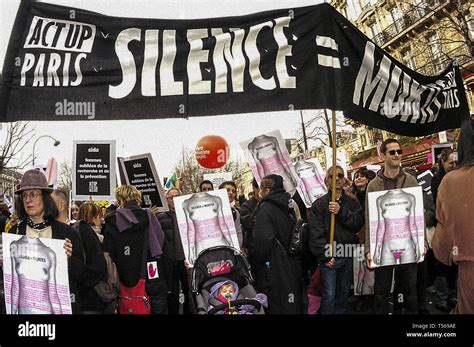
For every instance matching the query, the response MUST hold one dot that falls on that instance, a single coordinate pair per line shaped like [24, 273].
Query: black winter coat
[247, 219]
[126, 250]
[278, 275]
[95, 268]
[348, 222]
[435, 182]
[76, 268]
[172, 249]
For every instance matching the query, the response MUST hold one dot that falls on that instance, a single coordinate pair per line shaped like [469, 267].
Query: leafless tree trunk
[318, 126]
[65, 176]
[18, 135]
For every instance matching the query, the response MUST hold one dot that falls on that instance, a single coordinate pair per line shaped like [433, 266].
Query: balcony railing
[438, 64]
[409, 18]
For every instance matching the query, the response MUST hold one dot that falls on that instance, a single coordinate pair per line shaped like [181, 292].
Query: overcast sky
[165, 138]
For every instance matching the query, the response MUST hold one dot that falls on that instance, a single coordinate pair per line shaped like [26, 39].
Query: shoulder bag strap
[146, 241]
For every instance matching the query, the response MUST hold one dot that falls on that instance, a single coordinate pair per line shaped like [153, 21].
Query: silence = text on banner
[91, 66]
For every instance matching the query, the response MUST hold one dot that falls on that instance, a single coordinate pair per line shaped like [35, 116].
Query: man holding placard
[392, 177]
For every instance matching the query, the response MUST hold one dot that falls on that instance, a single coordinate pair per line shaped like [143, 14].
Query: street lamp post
[56, 143]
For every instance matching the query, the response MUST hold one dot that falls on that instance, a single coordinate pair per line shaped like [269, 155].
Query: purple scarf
[125, 218]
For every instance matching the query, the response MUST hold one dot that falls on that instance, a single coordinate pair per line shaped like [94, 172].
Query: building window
[374, 29]
[397, 18]
[353, 9]
[408, 60]
[421, 7]
[363, 140]
[435, 48]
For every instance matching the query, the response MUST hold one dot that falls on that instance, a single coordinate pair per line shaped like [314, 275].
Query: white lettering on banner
[230, 50]
[127, 63]
[328, 60]
[149, 64]
[403, 94]
[233, 55]
[254, 57]
[60, 35]
[284, 51]
[227, 59]
[197, 56]
[168, 84]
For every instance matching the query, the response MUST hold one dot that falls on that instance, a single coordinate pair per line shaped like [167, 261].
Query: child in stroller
[214, 270]
[226, 292]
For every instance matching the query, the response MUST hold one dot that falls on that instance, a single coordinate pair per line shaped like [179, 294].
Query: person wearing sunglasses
[391, 177]
[336, 270]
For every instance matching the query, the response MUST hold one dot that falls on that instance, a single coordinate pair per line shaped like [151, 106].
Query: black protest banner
[93, 172]
[140, 171]
[72, 64]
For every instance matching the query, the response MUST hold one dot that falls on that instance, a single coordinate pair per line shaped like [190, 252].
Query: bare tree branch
[18, 135]
[65, 176]
[193, 173]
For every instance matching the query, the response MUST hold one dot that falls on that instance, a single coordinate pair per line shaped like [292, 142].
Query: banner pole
[70, 205]
[333, 183]
[304, 132]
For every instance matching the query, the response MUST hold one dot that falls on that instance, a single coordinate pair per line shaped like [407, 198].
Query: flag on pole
[172, 181]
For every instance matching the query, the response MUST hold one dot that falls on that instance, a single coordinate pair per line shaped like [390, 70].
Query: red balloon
[212, 152]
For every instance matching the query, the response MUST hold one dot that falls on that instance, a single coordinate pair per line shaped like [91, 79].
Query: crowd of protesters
[144, 246]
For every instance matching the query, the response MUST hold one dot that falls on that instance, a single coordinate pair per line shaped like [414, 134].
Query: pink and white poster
[397, 226]
[35, 275]
[205, 220]
[311, 174]
[266, 155]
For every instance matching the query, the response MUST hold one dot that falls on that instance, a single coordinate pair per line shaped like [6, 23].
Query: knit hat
[277, 181]
[33, 179]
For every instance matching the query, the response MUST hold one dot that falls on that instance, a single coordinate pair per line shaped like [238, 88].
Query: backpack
[107, 289]
[299, 243]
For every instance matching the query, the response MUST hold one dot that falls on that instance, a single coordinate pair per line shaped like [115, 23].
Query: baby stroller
[219, 264]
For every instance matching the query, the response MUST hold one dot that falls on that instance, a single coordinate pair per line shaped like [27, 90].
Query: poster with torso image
[364, 279]
[93, 170]
[35, 275]
[312, 175]
[205, 220]
[266, 155]
[140, 172]
[397, 226]
[217, 178]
